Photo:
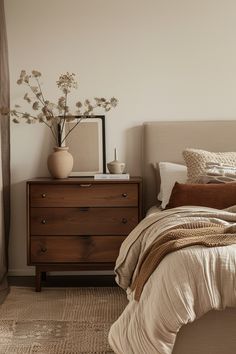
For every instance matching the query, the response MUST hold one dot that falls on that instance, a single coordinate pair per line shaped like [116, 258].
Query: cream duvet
[185, 285]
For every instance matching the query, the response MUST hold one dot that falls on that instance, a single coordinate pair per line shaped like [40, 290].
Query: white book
[111, 176]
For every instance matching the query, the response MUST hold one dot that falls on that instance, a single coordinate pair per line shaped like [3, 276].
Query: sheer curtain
[4, 156]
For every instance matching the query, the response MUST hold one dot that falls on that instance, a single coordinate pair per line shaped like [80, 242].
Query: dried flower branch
[55, 115]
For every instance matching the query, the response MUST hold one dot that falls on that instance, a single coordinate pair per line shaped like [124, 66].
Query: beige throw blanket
[188, 235]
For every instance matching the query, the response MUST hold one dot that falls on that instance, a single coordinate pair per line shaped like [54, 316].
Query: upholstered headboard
[165, 141]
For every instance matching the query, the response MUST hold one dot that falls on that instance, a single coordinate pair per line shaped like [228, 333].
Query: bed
[211, 332]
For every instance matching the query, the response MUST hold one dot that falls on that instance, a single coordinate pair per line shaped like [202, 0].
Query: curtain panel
[4, 155]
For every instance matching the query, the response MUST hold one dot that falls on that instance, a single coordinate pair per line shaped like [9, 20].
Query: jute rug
[59, 320]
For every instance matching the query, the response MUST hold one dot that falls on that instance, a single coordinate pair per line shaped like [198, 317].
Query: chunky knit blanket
[195, 233]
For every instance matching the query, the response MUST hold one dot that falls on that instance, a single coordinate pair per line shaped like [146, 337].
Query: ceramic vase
[60, 162]
[115, 166]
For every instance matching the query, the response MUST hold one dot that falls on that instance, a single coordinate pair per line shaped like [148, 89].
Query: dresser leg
[37, 279]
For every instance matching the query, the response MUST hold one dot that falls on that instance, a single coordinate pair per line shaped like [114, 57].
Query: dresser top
[74, 180]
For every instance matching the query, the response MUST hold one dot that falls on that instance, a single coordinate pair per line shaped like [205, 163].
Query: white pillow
[170, 173]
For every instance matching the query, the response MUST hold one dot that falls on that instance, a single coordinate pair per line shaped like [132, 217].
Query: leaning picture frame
[87, 145]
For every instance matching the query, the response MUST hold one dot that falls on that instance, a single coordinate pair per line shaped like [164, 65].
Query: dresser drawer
[70, 249]
[82, 221]
[84, 194]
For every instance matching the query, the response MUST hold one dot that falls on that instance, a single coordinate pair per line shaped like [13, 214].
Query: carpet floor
[59, 320]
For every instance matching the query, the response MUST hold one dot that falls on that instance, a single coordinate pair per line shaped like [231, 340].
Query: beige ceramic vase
[60, 162]
[115, 166]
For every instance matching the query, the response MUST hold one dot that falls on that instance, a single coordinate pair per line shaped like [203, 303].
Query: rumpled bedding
[186, 284]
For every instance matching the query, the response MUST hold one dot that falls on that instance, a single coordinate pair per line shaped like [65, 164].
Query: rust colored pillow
[217, 196]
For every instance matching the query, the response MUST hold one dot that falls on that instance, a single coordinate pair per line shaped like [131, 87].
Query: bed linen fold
[188, 235]
[185, 285]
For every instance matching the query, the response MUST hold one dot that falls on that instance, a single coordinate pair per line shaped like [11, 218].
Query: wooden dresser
[79, 223]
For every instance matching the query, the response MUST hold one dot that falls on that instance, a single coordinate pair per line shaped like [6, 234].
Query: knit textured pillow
[196, 161]
[218, 173]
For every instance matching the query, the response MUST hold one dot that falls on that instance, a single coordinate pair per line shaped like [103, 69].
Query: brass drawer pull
[87, 185]
[43, 249]
[124, 221]
[43, 195]
[124, 195]
[43, 221]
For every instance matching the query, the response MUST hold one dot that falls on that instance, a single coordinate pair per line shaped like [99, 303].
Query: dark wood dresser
[79, 223]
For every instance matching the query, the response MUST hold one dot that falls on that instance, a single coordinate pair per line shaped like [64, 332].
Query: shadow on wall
[133, 150]
[134, 159]
[136, 166]
[26, 164]
[17, 246]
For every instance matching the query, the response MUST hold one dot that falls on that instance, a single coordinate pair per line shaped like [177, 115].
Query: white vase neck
[61, 148]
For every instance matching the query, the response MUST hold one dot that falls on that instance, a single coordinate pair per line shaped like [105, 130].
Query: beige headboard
[165, 141]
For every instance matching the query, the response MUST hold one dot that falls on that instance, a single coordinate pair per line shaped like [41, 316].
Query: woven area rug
[59, 320]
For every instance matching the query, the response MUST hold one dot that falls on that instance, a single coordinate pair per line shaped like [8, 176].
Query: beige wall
[163, 60]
